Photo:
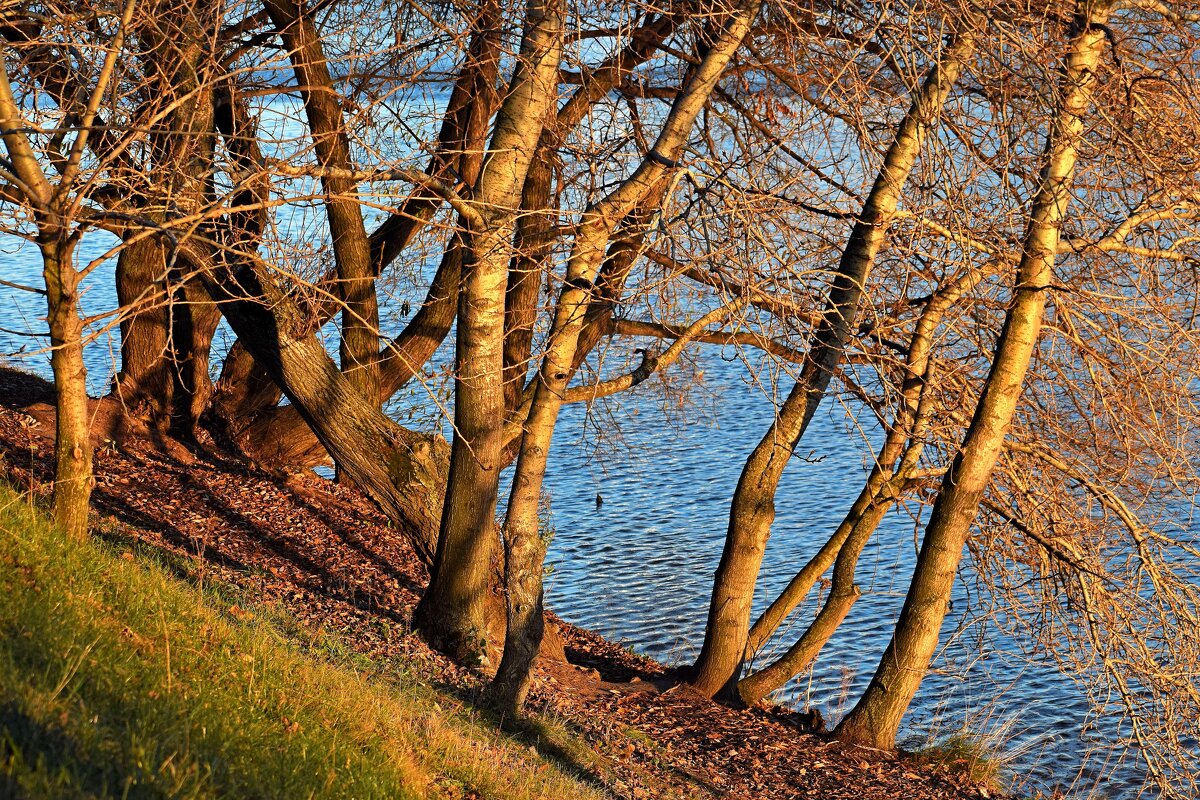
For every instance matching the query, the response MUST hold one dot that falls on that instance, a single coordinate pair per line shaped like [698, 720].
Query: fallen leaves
[324, 555]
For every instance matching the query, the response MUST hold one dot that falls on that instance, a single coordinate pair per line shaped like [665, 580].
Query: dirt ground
[326, 556]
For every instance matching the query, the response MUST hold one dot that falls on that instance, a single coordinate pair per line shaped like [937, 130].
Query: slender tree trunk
[452, 613]
[73, 443]
[905, 430]
[752, 510]
[525, 546]
[359, 346]
[883, 488]
[534, 241]
[876, 718]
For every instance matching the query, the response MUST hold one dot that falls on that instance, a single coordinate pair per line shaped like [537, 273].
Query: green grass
[118, 679]
[979, 757]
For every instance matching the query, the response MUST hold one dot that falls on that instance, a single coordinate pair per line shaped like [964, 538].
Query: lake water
[639, 568]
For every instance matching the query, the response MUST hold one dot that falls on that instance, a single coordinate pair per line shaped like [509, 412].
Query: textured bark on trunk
[73, 441]
[56, 243]
[144, 383]
[752, 510]
[534, 240]
[195, 320]
[525, 546]
[165, 342]
[279, 436]
[883, 487]
[395, 467]
[246, 402]
[359, 347]
[452, 612]
[876, 717]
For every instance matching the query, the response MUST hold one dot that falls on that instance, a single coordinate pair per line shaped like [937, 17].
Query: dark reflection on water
[639, 568]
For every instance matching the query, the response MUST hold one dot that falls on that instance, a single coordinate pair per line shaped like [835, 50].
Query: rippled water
[638, 569]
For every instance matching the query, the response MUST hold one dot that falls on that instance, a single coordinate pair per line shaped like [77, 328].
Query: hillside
[121, 680]
[231, 632]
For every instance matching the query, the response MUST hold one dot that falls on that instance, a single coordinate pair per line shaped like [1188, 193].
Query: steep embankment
[310, 583]
[119, 679]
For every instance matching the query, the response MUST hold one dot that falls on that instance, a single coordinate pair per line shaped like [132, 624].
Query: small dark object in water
[599, 500]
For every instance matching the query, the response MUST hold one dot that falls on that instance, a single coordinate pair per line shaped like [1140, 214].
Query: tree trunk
[279, 436]
[876, 718]
[452, 612]
[397, 468]
[73, 442]
[883, 485]
[144, 383]
[359, 346]
[843, 593]
[166, 338]
[534, 241]
[246, 401]
[525, 545]
[194, 320]
[753, 507]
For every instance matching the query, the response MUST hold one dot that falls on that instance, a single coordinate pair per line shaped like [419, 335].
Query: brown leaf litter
[328, 558]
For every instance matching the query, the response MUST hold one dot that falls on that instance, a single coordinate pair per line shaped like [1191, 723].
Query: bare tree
[876, 718]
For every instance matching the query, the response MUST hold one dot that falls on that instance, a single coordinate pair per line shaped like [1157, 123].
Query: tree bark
[73, 442]
[534, 241]
[247, 399]
[279, 436]
[905, 430]
[752, 510]
[144, 384]
[875, 719]
[883, 488]
[525, 545]
[166, 337]
[452, 612]
[395, 467]
[359, 347]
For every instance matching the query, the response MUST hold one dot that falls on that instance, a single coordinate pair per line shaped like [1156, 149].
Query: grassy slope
[119, 680]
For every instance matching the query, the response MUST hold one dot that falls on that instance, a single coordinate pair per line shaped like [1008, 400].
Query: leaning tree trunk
[752, 510]
[73, 442]
[246, 398]
[876, 718]
[395, 467]
[279, 436]
[246, 402]
[884, 486]
[525, 546]
[351, 248]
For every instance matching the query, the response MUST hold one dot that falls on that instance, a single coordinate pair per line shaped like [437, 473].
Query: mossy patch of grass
[977, 759]
[119, 679]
